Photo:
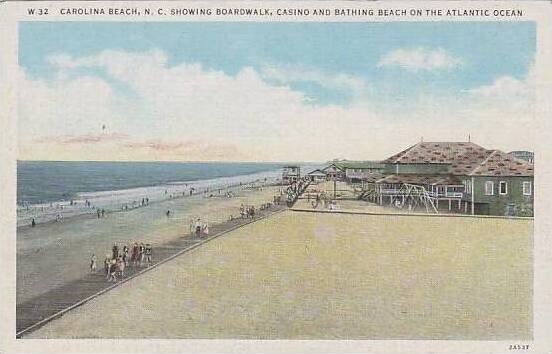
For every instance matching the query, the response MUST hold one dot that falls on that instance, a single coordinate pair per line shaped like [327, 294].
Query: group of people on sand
[329, 203]
[265, 206]
[100, 212]
[138, 255]
[135, 204]
[199, 228]
[247, 211]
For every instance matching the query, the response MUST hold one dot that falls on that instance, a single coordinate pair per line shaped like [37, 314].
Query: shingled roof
[464, 158]
[437, 152]
[499, 163]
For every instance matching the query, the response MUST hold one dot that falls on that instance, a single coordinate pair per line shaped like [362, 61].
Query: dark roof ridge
[482, 163]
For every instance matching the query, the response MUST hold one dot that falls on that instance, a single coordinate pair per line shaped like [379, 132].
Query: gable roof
[333, 165]
[316, 172]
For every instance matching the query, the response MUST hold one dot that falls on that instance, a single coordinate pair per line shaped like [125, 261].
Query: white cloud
[419, 59]
[505, 87]
[292, 73]
[187, 112]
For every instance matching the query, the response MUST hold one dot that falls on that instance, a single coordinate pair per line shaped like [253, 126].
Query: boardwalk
[39, 310]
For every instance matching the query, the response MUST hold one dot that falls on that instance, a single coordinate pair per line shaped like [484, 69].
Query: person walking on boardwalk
[107, 265]
[112, 276]
[148, 254]
[142, 254]
[93, 265]
[198, 227]
[135, 254]
[120, 267]
[115, 252]
[125, 254]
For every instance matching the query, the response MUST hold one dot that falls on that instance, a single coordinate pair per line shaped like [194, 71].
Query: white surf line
[82, 302]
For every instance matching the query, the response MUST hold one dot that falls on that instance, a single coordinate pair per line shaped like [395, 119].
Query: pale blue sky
[253, 90]
[488, 49]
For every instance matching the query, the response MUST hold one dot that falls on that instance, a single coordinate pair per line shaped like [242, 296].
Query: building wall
[498, 203]
[417, 168]
[331, 172]
[355, 173]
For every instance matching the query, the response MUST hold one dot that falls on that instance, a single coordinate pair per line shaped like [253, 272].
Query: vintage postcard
[275, 177]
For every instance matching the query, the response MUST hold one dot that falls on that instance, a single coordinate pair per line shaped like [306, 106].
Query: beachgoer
[125, 254]
[103, 213]
[93, 265]
[142, 254]
[130, 256]
[205, 229]
[198, 227]
[99, 213]
[115, 252]
[107, 264]
[112, 276]
[135, 254]
[148, 254]
[168, 213]
[121, 267]
[33, 223]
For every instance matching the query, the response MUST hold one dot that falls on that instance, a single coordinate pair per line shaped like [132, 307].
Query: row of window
[359, 170]
[503, 187]
[527, 187]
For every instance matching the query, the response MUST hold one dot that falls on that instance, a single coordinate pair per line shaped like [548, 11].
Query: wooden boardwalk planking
[37, 311]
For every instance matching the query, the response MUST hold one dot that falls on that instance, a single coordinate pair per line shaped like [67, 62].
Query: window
[527, 188]
[503, 187]
[467, 186]
[489, 188]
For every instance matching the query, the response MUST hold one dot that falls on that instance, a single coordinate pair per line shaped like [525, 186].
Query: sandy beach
[86, 204]
[52, 254]
[301, 275]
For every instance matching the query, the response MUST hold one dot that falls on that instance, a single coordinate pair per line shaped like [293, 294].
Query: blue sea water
[50, 181]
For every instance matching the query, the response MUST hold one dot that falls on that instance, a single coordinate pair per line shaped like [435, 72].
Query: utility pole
[472, 196]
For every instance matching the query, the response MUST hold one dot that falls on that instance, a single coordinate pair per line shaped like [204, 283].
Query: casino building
[451, 177]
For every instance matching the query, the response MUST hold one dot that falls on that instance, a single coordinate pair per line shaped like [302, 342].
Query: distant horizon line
[176, 161]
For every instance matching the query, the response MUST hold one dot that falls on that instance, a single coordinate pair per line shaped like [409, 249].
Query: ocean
[52, 181]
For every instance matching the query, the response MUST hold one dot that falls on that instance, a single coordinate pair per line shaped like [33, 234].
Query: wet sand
[51, 255]
[302, 275]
